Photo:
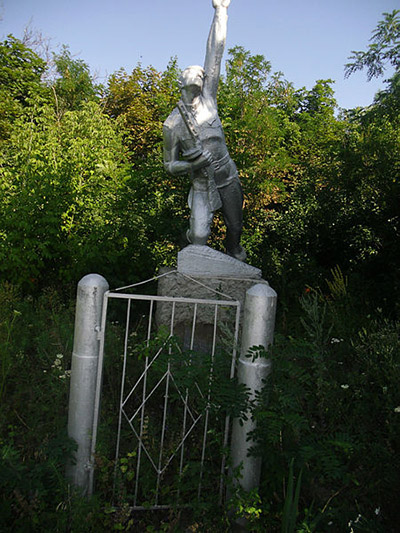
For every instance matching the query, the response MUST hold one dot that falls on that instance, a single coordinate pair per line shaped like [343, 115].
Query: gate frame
[164, 299]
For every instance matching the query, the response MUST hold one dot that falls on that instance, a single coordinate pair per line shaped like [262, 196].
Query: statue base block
[195, 260]
[204, 274]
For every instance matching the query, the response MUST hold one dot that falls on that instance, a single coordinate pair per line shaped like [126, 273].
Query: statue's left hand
[221, 3]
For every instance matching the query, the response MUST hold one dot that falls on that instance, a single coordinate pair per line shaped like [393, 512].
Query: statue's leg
[232, 203]
[200, 217]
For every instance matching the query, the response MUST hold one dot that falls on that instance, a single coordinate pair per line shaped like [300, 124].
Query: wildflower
[351, 522]
[377, 511]
[344, 387]
[65, 374]
[397, 409]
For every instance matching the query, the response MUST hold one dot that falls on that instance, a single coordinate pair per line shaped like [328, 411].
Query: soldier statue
[194, 144]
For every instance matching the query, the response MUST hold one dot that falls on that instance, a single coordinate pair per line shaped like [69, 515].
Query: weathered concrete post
[85, 355]
[258, 330]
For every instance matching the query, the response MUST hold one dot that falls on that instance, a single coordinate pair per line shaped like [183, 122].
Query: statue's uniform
[204, 199]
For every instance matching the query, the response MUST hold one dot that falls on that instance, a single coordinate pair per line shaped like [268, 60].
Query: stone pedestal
[202, 261]
[204, 273]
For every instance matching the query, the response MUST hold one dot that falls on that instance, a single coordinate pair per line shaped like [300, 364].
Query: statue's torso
[209, 128]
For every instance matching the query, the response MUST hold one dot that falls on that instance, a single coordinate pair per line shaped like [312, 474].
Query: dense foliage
[82, 188]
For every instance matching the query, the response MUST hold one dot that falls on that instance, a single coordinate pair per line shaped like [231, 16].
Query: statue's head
[192, 79]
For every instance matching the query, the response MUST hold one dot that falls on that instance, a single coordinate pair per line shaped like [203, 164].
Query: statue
[194, 144]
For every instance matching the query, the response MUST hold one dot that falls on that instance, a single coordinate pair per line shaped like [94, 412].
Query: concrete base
[176, 284]
[196, 260]
[222, 278]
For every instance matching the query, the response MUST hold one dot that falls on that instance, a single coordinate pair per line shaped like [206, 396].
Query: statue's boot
[238, 253]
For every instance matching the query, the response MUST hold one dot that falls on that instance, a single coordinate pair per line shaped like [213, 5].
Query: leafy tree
[20, 79]
[140, 102]
[388, 100]
[384, 49]
[74, 85]
[253, 106]
[20, 69]
[61, 182]
[287, 146]
[377, 167]
[247, 72]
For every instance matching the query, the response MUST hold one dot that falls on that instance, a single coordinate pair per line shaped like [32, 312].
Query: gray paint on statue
[194, 145]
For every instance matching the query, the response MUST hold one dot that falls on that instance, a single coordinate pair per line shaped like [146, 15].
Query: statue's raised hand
[221, 3]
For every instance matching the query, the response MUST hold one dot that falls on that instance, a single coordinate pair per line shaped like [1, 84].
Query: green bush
[333, 407]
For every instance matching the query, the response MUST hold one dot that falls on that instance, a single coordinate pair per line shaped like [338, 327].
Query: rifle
[196, 151]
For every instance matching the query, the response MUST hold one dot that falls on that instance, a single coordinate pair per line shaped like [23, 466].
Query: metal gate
[173, 431]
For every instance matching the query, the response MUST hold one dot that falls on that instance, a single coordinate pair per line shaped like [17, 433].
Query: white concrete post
[258, 330]
[85, 355]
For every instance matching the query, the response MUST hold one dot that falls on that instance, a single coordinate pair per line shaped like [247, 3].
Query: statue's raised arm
[215, 47]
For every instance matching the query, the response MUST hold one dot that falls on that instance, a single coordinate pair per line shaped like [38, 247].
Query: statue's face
[192, 80]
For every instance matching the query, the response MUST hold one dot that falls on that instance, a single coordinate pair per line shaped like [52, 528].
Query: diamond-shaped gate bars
[172, 433]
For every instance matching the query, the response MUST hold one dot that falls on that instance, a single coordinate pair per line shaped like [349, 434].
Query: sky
[306, 40]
